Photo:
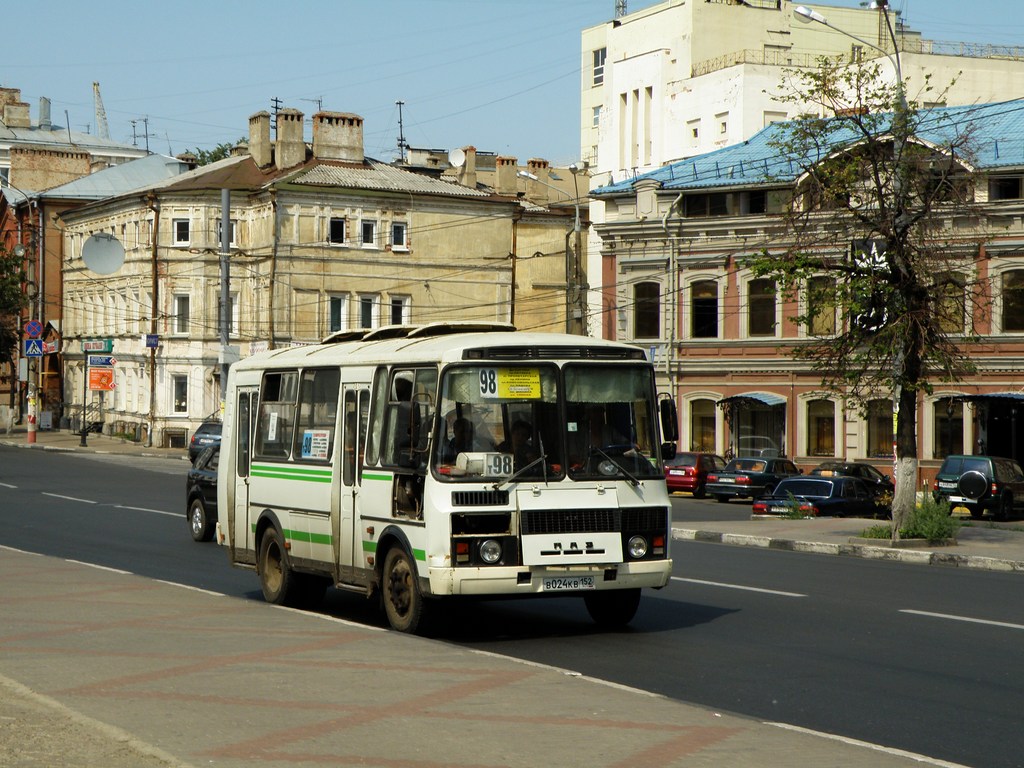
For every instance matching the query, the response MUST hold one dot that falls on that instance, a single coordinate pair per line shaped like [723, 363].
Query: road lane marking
[968, 619]
[739, 586]
[99, 567]
[144, 509]
[8, 485]
[868, 745]
[68, 498]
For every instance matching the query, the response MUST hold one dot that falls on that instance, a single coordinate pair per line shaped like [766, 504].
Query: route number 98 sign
[509, 383]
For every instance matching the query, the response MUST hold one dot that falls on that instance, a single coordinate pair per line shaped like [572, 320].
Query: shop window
[761, 308]
[879, 423]
[702, 426]
[647, 311]
[947, 427]
[821, 428]
[704, 310]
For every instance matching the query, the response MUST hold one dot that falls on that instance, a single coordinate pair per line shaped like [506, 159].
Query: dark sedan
[879, 485]
[201, 494]
[749, 477]
[817, 497]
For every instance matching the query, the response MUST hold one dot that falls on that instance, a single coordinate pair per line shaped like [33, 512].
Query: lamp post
[900, 135]
[572, 266]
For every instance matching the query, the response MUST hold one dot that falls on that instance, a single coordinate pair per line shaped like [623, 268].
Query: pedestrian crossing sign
[33, 347]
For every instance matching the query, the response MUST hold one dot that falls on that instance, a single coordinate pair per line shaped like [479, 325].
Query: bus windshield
[595, 421]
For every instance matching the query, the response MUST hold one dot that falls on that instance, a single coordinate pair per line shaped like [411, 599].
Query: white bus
[451, 459]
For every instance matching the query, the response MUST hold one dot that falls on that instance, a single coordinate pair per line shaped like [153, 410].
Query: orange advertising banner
[101, 379]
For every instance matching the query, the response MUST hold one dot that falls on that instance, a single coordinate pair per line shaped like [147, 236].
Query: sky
[502, 75]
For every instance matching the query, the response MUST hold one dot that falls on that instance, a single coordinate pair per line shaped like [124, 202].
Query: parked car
[688, 471]
[879, 486]
[981, 483]
[749, 477]
[207, 433]
[201, 494]
[816, 496]
[757, 445]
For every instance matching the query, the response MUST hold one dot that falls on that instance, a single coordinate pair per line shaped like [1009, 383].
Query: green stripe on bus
[371, 546]
[293, 470]
[376, 476]
[312, 538]
[287, 473]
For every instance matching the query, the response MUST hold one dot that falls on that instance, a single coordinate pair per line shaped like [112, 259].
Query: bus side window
[277, 414]
[349, 442]
[317, 414]
[243, 421]
[374, 436]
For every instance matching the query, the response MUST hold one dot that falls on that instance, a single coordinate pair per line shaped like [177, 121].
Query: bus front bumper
[536, 580]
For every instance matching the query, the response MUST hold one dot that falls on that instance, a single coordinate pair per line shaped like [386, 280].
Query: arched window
[947, 427]
[879, 416]
[761, 307]
[702, 426]
[647, 311]
[821, 428]
[704, 309]
[821, 306]
[1013, 301]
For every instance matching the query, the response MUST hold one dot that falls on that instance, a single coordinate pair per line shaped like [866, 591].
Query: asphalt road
[922, 659]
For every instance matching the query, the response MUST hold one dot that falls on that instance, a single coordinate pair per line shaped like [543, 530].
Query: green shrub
[877, 532]
[931, 520]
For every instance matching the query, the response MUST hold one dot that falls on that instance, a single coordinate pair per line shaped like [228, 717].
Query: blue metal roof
[997, 141]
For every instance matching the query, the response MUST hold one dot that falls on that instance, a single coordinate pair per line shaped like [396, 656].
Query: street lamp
[572, 267]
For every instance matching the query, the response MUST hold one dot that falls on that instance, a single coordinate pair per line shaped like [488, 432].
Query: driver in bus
[518, 444]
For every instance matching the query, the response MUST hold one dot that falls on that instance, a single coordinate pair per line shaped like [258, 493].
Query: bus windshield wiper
[629, 477]
[517, 473]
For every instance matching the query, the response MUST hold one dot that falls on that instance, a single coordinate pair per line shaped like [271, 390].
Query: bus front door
[241, 529]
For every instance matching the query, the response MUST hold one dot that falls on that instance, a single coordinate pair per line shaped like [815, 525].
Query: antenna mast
[620, 8]
[402, 143]
[101, 114]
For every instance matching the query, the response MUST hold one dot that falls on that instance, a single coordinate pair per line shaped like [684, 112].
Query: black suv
[206, 434]
[981, 483]
[201, 494]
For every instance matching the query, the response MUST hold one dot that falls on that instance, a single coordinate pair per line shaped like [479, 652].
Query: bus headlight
[637, 547]
[490, 551]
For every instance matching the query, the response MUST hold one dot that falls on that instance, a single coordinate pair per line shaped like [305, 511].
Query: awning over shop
[988, 396]
[751, 398]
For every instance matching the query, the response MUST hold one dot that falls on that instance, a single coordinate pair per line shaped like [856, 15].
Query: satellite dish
[457, 158]
[103, 253]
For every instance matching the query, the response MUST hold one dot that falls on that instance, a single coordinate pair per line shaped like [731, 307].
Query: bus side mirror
[669, 420]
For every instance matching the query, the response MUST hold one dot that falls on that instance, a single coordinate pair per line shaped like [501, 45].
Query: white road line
[8, 485]
[99, 567]
[144, 509]
[69, 498]
[868, 745]
[739, 586]
[968, 619]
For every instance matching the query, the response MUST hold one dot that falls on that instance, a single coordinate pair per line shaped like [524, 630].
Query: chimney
[535, 191]
[259, 139]
[290, 149]
[505, 175]
[338, 136]
[467, 171]
[16, 115]
[44, 114]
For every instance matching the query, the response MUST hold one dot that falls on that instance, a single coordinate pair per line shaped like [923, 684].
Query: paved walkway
[103, 669]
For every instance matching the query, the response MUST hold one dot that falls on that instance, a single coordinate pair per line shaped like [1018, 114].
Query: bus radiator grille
[593, 520]
[479, 498]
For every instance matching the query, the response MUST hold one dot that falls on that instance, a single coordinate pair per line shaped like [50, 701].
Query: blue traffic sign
[102, 361]
[33, 329]
[33, 347]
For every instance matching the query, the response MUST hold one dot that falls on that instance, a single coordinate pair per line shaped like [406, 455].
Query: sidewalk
[65, 440]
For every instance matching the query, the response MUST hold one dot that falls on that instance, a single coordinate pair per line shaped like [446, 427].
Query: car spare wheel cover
[972, 484]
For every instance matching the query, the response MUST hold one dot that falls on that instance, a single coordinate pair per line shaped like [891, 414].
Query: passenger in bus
[460, 441]
[518, 443]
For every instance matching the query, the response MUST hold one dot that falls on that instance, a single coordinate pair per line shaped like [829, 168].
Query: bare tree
[887, 292]
[12, 301]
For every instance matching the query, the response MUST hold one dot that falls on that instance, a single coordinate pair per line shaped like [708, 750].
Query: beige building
[683, 78]
[323, 240]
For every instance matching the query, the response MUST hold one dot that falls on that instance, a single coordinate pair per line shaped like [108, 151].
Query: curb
[912, 556]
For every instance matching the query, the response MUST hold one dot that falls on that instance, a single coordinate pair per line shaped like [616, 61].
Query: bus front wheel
[276, 576]
[403, 602]
[613, 608]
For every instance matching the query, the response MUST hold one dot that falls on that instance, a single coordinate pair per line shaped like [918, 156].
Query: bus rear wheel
[612, 608]
[403, 602]
[277, 580]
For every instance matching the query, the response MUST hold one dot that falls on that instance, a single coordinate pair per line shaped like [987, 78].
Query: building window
[704, 310]
[702, 426]
[181, 229]
[647, 311]
[367, 311]
[1005, 188]
[703, 204]
[182, 317]
[880, 438]
[600, 55]
[368, 230]
[232, 314]
[399, 233]
[234, 229]
[821, 306]
[950, 302]
[761, 308]
[597, 117]
[821, 428]
[336, 232]
[947, 427]
[179, 394]
[338, 314]
[400, 306]
[1013, 301]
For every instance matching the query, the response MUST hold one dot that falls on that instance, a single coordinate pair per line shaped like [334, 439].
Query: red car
[688, 471]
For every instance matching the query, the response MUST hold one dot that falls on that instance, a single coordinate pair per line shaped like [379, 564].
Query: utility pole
[225, 291]
[402, 144]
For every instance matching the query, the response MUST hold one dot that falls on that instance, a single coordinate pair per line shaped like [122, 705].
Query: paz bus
[412, 463]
